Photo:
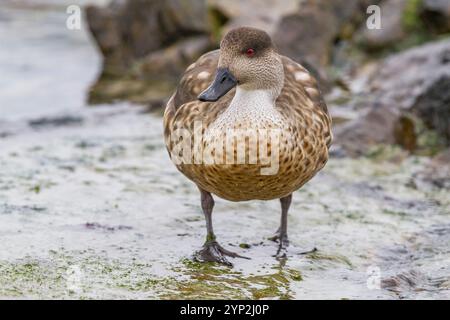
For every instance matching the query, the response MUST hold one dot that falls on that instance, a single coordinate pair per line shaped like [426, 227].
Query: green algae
[400, 214]
[26, 279]
[411, 15]
[36, 189]
[385, 152]
[71, 275]
[418, 138]
[216, 20]
[429, 143]
[317, 255]
[212, 281]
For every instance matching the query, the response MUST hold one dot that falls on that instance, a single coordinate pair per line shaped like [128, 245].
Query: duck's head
[248, 59]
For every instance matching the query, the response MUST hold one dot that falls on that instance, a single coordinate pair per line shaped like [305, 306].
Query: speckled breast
[266, 177]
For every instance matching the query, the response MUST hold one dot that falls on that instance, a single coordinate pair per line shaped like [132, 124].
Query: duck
[246, 123]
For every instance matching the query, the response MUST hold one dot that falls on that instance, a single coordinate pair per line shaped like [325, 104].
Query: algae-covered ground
[91, 206]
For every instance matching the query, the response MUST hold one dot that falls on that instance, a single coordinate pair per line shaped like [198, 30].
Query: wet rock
[433, 105]
[403, 282]
[436, 15]
[392, 29]
[407, 89]
[143, 33]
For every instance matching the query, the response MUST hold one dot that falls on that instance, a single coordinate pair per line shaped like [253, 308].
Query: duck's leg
[281, 234]
[211, 250]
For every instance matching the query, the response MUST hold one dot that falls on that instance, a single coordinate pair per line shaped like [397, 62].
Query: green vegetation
[217, 20]
[411, 20]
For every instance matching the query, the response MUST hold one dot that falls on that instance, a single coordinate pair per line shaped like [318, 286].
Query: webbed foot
[283, 244]
[212, 251]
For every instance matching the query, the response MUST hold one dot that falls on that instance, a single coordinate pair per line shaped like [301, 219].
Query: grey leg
[281, 234]
[211, 250]
[207, 202]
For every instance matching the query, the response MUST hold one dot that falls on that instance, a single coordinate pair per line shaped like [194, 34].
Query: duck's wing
[197, 77]
[300, 84]
[301, 99]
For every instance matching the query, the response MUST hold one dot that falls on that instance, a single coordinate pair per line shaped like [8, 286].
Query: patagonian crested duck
[246, 123]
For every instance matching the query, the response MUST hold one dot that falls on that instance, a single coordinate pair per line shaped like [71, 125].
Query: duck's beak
[223, 83]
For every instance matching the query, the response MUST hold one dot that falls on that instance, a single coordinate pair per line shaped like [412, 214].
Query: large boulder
[130, 29]
[357, 137]
[418, 81]
[136, 33]
[407, 88]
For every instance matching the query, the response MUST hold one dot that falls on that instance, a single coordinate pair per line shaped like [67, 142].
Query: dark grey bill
[223, 83]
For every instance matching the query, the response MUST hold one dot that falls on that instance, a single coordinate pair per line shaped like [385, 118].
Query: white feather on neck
[250, 109]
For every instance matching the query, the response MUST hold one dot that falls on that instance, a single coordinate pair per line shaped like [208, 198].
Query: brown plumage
[298, 111]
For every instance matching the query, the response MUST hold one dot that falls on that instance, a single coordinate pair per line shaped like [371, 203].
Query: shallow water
[91, 206]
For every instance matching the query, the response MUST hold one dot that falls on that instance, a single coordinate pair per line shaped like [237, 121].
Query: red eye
[250, 52]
